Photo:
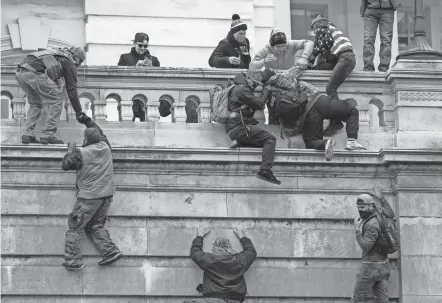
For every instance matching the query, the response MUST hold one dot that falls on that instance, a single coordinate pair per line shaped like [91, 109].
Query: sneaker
[267, 175]
[333, 127]
[329, 152]
[73, 267]
[25, 139]
[111, 258]
[234, 144]
[51, 140]
[353, 145]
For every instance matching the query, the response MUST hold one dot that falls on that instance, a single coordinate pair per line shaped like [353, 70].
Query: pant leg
[96, 231]
[386, 32]
[371, 21]
[346, 64]
[341, 110]
[55, 95]
[312, 130]
[381, 287]
[257, 137]
[81, 214]
[364, 283]
[26, 81]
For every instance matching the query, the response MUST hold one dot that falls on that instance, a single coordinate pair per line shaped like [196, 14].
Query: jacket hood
[275, 31]
[240, 79]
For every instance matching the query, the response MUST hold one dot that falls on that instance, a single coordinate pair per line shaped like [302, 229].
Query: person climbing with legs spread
[46, 75]
[95, 190]
[242, 127]
[302, 108]
[337, 50]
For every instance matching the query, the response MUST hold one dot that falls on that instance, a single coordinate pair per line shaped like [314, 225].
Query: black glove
[81, 117]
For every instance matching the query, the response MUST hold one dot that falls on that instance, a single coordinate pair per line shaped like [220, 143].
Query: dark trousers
[88, 215]
[256, 137]
[372, 19]
[141, 115]
[344, 66]
[372, 276]
[333, 109]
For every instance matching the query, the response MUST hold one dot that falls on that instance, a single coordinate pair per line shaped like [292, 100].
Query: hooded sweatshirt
[286, 59]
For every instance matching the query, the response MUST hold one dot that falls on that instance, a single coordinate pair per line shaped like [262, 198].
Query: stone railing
[400, 105]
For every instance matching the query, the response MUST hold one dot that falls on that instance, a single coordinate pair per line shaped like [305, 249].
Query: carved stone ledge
[100, 110]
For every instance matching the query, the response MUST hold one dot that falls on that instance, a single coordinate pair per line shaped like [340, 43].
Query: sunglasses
[141, 45]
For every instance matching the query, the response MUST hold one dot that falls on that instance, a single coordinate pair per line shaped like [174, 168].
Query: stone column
[18, 108]
[418, 103]
[205, 112]
[100, 110]
[364, 118]
[152, 111]
[126, 110]
[420, 224]
[179, 112]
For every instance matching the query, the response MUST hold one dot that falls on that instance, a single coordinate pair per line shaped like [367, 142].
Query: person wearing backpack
[242, 127]
[372, 235]
[304, 109]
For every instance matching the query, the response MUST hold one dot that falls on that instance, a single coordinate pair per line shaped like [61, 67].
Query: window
[405, 27]
[302, 16]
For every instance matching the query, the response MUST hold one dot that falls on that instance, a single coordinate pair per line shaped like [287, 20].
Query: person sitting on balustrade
[43, 76]
[234, 50]
[95, 190]
[224, 268]
[139, 54]
[302, 108]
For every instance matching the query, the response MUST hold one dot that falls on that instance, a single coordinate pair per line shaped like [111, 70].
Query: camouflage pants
[88, 215]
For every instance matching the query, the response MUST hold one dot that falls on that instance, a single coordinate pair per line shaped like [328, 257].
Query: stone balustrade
[392, 106]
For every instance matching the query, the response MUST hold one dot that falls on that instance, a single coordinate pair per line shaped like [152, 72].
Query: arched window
[113, 107]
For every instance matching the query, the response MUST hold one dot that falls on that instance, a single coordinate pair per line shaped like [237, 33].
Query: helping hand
[81, 117]
[377, 192]
[202, 232]
[303, 62]
[234, 60]
[357, 222]
[239, 233]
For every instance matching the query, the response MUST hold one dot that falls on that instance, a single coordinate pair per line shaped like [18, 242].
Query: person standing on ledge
[139, 54]
[95, 190]
[234, 50]
[224, 268]
[43, 76]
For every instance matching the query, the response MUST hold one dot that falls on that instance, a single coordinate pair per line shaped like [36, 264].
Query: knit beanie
[237, 24]
[79, 52]
[91, 136]
[277, 37]
[318, 18]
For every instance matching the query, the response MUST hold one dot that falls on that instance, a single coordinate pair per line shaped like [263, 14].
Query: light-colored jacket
[286, 59]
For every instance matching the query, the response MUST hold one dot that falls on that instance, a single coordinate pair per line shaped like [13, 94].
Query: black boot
[25, 139]
[267, 175]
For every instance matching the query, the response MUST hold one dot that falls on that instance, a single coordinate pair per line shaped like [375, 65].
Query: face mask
[364, 214]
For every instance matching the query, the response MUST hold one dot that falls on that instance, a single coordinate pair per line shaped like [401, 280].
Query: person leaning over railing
[139, 54]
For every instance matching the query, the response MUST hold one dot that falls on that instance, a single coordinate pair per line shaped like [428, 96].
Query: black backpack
[289, 110]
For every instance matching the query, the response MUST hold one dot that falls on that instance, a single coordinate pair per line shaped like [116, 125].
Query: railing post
[126, 110]
[100, 110]
[152, 111]
[205, 111]
[179, 112]
[18, 108]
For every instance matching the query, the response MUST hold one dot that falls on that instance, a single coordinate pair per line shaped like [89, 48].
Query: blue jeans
[39, 88]
[372, 19]
[88, 215]
[372, 275]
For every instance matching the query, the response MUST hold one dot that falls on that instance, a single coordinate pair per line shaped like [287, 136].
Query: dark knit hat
[91, 136]
[140, 37]
[237, 24]
[224, 243]
[317, 19]
[79, 52]
[267, 73]
[277, 37]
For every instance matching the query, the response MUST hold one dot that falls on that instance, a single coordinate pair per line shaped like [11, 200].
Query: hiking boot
[329, 146]
[73, 267]
[234, 144]
[354, 145]
[111, 258]
[333, 127]
[28, 139]
[267, 175]
[51, 140]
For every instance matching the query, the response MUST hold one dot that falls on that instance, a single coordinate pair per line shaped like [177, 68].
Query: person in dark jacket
[43, 76]
[375, 270]
[139, 54]
[337, 51]
[95, 190]
[234, 50]
[224, 268]
[241, 126]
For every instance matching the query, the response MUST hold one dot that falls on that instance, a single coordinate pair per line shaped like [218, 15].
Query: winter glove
[81, 117]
